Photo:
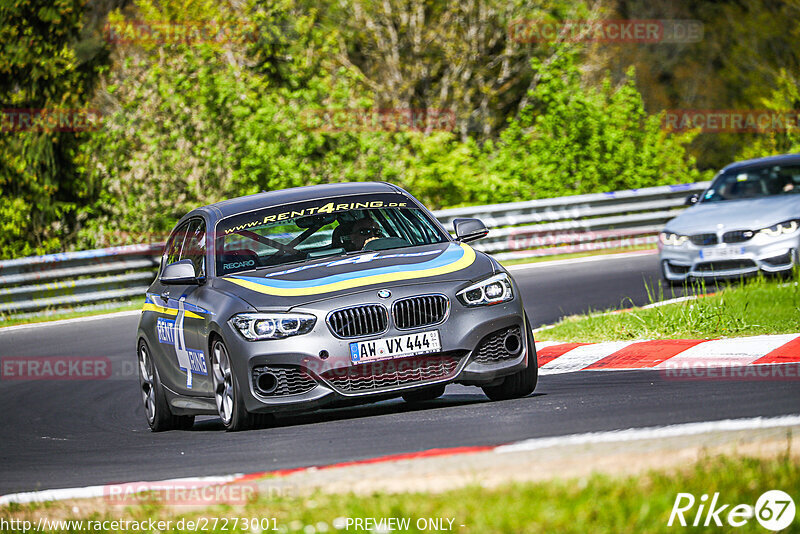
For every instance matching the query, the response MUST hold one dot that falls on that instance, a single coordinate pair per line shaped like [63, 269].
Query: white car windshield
[754, 183]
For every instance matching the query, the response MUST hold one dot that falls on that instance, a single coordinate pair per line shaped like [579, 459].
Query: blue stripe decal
[450, 255]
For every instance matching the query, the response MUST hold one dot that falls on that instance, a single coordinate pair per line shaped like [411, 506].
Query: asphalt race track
[61, 433]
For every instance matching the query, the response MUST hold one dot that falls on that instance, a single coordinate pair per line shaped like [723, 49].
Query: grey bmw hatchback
[288, 301]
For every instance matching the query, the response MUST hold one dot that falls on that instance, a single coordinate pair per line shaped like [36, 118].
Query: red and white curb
[555, 357]
[589, 438]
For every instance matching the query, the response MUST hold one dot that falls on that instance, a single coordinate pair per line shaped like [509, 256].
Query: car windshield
[292, 233]
[754, 183]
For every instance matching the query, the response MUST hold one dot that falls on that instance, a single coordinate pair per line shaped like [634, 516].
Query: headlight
[672, 240]
[486, 292]
[787, 227]
[260, 326]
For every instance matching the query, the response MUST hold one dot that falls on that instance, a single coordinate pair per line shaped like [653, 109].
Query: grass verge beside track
[44, 318]
[598, 503]
[754, 307]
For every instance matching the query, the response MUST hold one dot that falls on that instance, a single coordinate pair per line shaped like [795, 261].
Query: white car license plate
[721, 253]
[395, 347]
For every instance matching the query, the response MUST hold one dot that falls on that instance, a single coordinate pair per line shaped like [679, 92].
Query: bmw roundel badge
[384, 293]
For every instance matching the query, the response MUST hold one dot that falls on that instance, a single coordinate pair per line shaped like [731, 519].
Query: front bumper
[729, 260]
[314, 370]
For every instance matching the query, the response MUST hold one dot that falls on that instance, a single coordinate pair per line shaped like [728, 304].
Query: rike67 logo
[774, 510]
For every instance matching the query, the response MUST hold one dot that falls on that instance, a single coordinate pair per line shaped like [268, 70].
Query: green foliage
[190, 123]
[208, 121]
[735, 64]
[784, 98]
[573, 139]
[41, 178]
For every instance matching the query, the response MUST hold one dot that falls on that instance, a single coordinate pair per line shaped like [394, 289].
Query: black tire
[427, 394]
[227, 391]
[522, 383]
[156, 409]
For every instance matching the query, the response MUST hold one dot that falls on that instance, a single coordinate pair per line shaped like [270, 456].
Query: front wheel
[227, 392]
[159, 416]
[519, 384]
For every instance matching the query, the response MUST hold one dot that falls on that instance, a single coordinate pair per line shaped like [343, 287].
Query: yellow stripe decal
[168, 311]
[466, 259]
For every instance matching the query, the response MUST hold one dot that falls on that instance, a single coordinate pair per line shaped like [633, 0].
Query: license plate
[721, 253]
[395, 347]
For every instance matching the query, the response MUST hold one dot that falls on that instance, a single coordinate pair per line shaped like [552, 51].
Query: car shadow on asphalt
[386, 407]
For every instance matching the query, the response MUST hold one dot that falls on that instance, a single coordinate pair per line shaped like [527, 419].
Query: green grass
[11, 321]
[596, 504]
[604, 252]
[754, 307]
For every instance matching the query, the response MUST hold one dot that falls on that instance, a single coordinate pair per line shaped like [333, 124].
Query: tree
[574, 139]
[45, 64]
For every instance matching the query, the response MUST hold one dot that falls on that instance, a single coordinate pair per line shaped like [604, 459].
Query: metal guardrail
[72, 280]
[577, 223]
[90, 279]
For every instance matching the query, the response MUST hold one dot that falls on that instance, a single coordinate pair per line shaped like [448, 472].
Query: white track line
[659, 432]
[672, 301]
[658, 304]
[69, 321]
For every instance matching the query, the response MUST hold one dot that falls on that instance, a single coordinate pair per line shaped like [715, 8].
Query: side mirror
[179, 273]
[693, 199]
[469, 229]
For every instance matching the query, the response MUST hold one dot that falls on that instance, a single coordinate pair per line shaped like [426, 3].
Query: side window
[194, 247]
[172, 252]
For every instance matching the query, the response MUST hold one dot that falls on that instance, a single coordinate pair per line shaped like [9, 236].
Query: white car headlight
[672, 240]
[776, 230]
[261, 326]
[493, 290]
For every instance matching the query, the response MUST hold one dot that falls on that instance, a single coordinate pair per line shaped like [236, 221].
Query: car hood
[751, 214]
[300, 284]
